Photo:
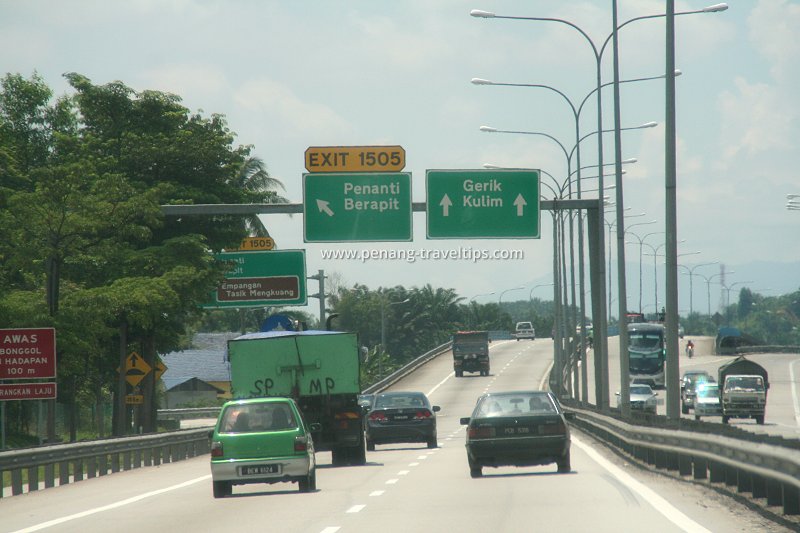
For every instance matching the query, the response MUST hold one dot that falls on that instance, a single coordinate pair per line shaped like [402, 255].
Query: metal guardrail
[764, 471]
[66, 463]
[402, 372]
[188, 413]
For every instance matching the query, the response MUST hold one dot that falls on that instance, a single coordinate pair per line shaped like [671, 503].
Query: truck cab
[743, 393]
[471, 352]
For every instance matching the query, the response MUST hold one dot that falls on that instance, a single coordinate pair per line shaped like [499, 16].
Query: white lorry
[524, 330]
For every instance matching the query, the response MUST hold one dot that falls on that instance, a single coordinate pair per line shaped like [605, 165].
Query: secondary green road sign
[482, 204]
[357, 207]
[258, 279]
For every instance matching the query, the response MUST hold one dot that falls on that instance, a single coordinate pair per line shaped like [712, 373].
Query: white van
[524, 330]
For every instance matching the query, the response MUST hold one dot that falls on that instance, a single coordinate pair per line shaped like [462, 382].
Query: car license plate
[517, 430]
[255, 470]
[401, 417]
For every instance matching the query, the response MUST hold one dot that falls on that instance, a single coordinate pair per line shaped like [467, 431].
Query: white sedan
[642, 398]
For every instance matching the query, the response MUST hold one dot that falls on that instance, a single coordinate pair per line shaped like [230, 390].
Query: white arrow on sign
[445, 203]
[323, 207]
[520, 203]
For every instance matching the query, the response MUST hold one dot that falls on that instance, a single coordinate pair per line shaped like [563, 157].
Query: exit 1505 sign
[355, 158]
[483, 204]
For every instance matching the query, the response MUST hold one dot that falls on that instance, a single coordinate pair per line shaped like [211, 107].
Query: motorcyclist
[689, 348]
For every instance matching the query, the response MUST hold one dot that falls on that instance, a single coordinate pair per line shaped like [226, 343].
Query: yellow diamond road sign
[136, 368]
[160, 369]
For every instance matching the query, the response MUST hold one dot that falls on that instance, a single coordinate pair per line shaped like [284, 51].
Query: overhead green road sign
[357, 207]
[482, 204]
[258, 279]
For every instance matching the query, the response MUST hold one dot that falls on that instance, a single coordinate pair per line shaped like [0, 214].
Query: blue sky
[289, 75]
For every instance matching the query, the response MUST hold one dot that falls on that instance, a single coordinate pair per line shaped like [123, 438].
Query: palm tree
[254, 179]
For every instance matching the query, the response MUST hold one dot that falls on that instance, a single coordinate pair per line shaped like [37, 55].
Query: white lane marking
[794, 392]
[659, 504]
[108, 507]
[377, 493]
[331, 529]
[422, 457]
[402, 473]
[450, 375]
[392, 481]
[413, 464]
[356, 508]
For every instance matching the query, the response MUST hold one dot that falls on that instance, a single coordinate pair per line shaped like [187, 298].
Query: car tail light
[300, 443]
[422, 414]
[216, 449]
[553, 429]
[485, 432]
[377, 416]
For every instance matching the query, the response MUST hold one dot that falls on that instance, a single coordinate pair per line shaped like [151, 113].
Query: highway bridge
[405, 488]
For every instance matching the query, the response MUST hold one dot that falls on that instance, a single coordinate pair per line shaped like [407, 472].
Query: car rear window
[258, 417]
[400, 401]
[517, 404]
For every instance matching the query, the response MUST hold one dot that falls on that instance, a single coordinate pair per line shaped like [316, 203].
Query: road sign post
[259, 279]
[364, 207]
[482, 204]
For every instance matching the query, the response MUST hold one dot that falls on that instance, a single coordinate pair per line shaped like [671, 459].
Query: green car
[261, 440]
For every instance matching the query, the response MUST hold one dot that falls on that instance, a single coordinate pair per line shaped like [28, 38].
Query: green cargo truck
[320, 370]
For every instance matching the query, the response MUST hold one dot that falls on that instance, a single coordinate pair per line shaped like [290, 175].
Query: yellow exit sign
[355, 159]
[256, 243]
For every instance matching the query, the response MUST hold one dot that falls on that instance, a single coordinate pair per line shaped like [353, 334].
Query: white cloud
[288, 114]
[198, 82]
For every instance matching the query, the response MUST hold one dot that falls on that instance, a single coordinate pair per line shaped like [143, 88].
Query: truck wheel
[222, 489]
[760, 420]
[360, 455]
[338, 456]
[370, 445]
[725, 419]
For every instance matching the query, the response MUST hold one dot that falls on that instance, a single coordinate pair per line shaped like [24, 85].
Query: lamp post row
[601, 348]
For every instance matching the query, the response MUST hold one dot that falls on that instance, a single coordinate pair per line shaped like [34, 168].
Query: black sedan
[520, 428]
[401, 417]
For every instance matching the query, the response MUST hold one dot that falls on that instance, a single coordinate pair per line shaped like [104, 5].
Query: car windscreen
[644, 341]
[641, 390]
[258, 417]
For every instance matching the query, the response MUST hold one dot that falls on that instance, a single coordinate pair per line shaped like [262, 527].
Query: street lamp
[483, 294]
[500, 300]
[530, 295]
[691, 275]
[728, 298]
[708, 285]
[384, 304]
[641, 244]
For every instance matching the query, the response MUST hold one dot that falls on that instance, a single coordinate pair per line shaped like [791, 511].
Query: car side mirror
[569, 415]
[315, 427]
[616, 394]
[464, 420]
[436, 408]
